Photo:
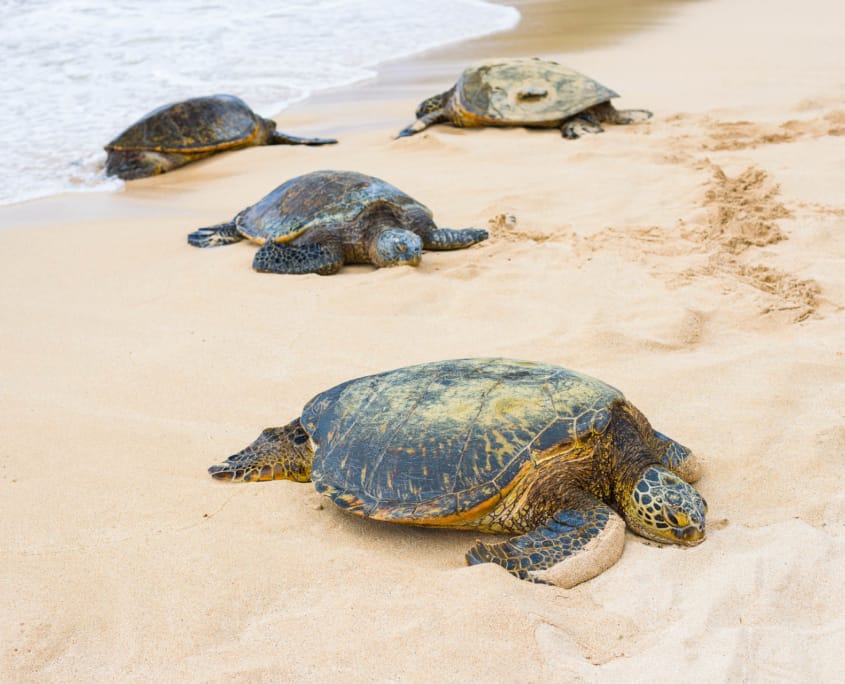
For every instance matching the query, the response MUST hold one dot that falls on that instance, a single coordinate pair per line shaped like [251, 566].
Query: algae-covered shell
[201, 124]
[444, 442]
[319, 199]
[530, 92]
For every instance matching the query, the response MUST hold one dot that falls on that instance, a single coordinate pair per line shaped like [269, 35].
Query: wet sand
[695, 262]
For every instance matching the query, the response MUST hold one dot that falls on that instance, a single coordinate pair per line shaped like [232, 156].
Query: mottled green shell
[524, 92]
[330, 199]
[202, 124]
[434, 441]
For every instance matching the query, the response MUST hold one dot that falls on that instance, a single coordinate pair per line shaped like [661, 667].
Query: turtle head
[664, 508]
[432, 104]
[396, 246]
[132, 164]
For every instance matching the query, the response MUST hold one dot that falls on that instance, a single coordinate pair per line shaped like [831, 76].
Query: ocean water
[75, 73]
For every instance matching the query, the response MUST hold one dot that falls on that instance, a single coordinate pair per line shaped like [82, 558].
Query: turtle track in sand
[705, 133]
[740, 216]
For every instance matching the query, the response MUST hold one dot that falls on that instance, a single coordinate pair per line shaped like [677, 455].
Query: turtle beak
[687, 530]
[690, 536]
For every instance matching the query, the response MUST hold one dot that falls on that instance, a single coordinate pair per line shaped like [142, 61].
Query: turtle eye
[670, 518]
[675, 518]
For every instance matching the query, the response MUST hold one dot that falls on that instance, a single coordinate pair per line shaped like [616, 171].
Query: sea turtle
[557, 458]
[533, 93]
[317, 222]
[182, 132]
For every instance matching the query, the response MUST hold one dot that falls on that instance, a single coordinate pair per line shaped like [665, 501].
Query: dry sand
[697, 262]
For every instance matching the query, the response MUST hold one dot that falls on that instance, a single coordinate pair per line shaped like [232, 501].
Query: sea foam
[77, 72]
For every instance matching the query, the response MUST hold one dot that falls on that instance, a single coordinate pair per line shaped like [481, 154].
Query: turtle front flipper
[437, 116]
[573, 546]
[451, 238]
[279, 138]
[677, 458]
[215, 236]
[279, 453]
[276, 257]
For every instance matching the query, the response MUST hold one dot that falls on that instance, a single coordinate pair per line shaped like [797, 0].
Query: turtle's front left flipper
[275, 257]
[279, 138]
[215, 236]
[451, 238]
[573, 546]
[677, 458]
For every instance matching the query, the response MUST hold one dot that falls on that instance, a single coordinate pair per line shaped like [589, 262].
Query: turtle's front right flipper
[573, 546]
[422, 123]
[279, 453]
[279, 138]
[215, 236]
[275, 257]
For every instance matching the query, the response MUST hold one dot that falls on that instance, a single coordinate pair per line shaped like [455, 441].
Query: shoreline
[544, 30]
[400, 84]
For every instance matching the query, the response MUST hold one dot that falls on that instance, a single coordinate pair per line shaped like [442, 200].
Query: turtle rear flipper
[275, 257]
[215, 236]
[576, 126]
[451, 238]
[279, 453]
[630, 116]
[279, 138]
[573, 546]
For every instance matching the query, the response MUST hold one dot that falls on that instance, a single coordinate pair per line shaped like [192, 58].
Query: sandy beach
[696, 262]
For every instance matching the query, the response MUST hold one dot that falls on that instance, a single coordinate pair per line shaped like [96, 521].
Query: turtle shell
[202, 124]
[330, 199]
[524, 92]
[441, 443]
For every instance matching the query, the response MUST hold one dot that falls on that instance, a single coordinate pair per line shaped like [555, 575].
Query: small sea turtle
[524, 92]
[555, 457]
[317, 222]
[183, 132]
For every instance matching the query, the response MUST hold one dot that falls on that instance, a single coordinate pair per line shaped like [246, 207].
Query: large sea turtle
[182, 132]
[533, 93]
[317, 222]
[557, 458]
